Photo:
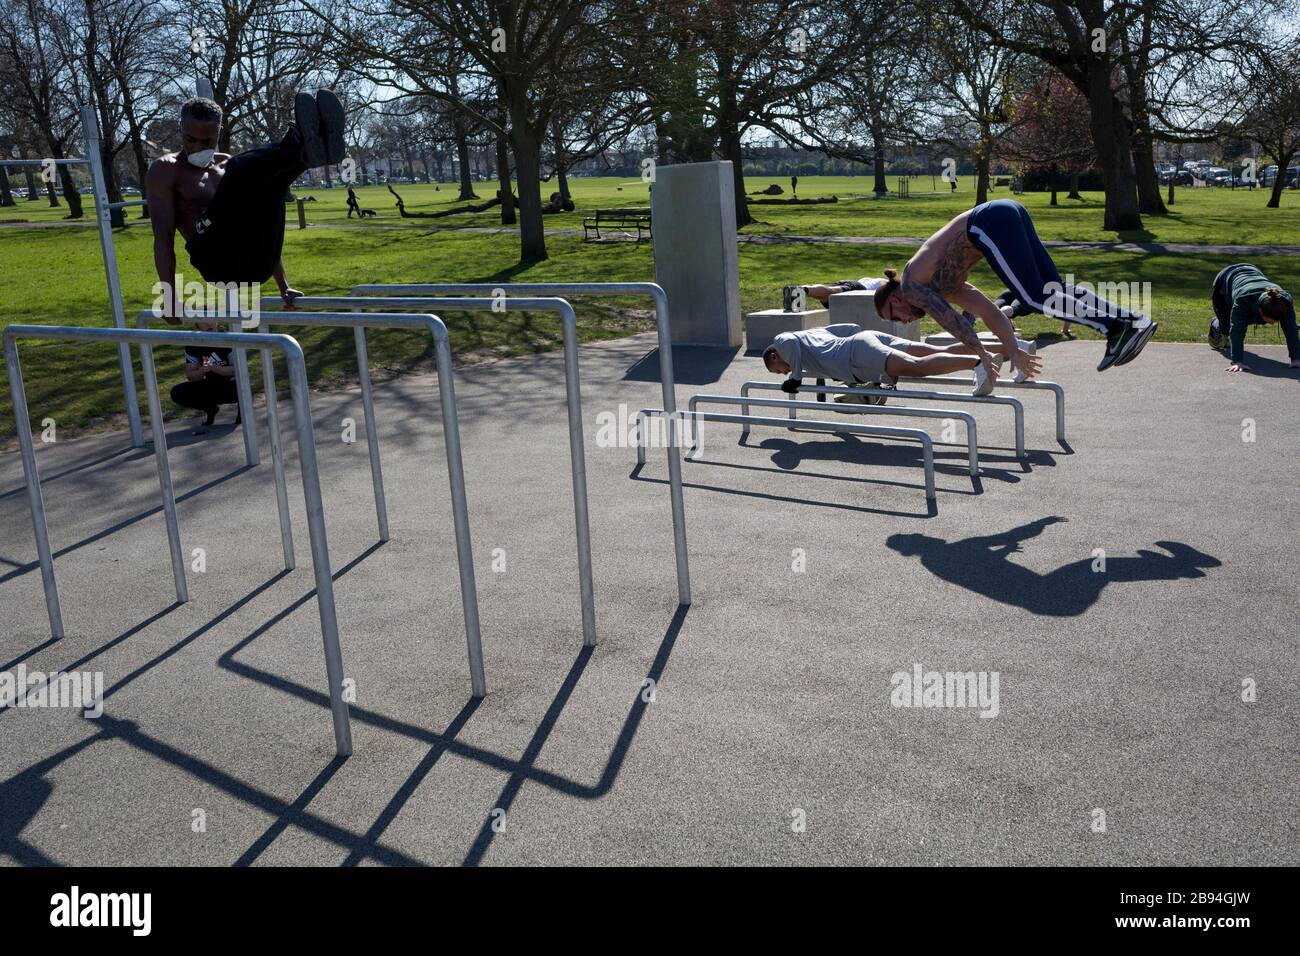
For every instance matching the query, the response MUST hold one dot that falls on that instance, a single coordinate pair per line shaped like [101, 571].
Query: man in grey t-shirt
[847, 354]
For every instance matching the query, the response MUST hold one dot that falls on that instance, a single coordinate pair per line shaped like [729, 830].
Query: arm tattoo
[960, 326]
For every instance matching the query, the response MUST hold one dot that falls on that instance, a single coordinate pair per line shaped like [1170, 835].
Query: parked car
[1267, 175]
[1216, 176]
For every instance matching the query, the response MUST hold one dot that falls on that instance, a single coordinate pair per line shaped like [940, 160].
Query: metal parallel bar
[243, 386]
[972, 441]
[1056, 389]
[451, 440]
[372, 431]
[307, 454]
[35, 500]
[159, 429]
[577, 458]
[127, 202]
[667, 382]
[72, 161]
[277, 456]
[90, 129]
[852, 428]
[272, 413]
[1018, 409]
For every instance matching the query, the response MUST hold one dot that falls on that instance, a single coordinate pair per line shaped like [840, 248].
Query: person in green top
[1244, 296]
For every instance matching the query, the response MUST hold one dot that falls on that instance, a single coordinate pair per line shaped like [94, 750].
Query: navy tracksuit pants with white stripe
[1003, 231]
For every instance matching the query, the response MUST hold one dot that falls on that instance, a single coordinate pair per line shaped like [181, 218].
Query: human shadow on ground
[692, 365]
[982, 564]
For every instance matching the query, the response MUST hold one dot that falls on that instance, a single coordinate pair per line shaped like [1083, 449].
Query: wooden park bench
[620, 221]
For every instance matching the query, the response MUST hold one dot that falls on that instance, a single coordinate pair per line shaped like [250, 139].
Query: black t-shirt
[203, 355]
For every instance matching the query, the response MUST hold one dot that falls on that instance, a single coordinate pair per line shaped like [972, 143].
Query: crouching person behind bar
[209, 380]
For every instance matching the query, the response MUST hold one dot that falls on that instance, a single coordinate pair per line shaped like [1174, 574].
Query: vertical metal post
[674, 459]
[90, 128]
[320, 555]
[460, 512]
[578, 462]
[159, 430]
[23, 425]
[277, 455]
[372, 430]
[243, 389]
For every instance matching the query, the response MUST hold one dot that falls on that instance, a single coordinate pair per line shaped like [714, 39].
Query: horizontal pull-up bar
[146, 339]
[69, 161]
[451, 430]
[850, 428]
[667, 382]
[972, 445]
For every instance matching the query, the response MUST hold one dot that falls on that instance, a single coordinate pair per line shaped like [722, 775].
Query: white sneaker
[983, 382]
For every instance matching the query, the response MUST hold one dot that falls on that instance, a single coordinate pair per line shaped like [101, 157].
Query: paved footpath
[818, 575]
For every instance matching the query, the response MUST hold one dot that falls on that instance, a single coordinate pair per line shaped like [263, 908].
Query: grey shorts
[870, 351]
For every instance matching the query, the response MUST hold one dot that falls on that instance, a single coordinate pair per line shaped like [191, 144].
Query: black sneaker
[1217, 340]
[1139, 344]
[1124, 343]
[333, 121]
[307, 118]
[1007, 299]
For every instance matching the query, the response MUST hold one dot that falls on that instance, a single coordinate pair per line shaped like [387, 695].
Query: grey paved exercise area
[1118, 691]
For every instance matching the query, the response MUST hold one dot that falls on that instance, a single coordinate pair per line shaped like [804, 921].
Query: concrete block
[693, 206]
[860, 308]
[762, 327]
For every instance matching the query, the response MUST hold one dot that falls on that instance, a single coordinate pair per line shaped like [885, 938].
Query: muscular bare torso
[945, 259]
[935, 278]
[186, 188]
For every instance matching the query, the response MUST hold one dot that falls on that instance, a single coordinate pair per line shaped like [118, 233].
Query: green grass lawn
[56, 276]
[1236, 217]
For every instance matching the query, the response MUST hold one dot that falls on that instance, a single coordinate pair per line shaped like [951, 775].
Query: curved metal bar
[306, 453]
[667, 382]
[972, 446]
[851, 428]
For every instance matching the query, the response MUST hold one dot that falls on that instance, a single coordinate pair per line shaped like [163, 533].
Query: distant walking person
[794, 186]
[1243, 296]
[353, 205]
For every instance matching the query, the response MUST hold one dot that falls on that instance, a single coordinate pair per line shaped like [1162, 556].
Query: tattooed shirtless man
[934, 282]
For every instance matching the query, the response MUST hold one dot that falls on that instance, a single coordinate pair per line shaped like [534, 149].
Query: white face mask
[201, 158]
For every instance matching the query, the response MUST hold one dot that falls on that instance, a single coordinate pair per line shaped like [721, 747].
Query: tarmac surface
[1133, 595]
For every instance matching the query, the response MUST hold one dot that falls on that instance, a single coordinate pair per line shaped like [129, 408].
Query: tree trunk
[1148, 184]
[878, 163]
[1052, 174]
[6, 194]
[462, 162]
[1114, 156]
[33, 194]
[1074, 185]
[982, 175]
[526, 144]
[70, 193]
[504, 190]
[1279, 181]
[54, 197]
[561, 166]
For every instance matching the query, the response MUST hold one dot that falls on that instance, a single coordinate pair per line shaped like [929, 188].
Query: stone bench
[764, 326]
[860, 309]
